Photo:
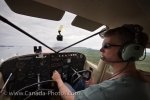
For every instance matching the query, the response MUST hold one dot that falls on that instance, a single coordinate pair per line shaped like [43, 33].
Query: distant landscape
[91, 54]
[94, 56]
[145, 64]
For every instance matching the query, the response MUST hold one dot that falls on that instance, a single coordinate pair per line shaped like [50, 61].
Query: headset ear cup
[120, 52]
[132, 51]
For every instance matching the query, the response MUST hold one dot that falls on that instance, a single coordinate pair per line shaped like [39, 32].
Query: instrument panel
[35, 68]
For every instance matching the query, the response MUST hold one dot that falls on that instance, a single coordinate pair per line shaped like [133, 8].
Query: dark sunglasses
[108, 45]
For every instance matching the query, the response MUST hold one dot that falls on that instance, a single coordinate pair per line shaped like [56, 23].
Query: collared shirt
[123, 88]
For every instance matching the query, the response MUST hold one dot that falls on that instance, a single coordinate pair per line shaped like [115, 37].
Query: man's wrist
[60, 83]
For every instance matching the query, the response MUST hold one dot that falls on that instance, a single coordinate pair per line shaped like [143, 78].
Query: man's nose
[101, 49]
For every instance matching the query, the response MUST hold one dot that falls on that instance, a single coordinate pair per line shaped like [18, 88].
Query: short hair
[129, 33]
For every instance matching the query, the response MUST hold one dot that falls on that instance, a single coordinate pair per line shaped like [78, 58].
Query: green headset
[132, 51]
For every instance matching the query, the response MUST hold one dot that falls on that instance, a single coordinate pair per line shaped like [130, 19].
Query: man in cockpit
[121, 47]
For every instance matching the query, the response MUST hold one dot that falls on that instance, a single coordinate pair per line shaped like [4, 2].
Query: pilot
[121, 47]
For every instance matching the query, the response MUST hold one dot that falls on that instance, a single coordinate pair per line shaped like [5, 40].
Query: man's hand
[89, 82]
[62, 87]
[56, 76]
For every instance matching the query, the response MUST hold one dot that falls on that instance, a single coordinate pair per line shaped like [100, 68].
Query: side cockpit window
[144, 65]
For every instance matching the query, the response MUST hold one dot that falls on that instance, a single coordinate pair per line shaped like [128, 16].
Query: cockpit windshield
[14, 43]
